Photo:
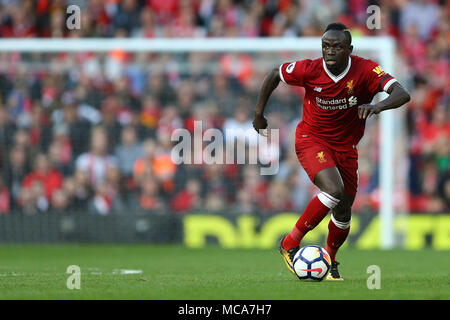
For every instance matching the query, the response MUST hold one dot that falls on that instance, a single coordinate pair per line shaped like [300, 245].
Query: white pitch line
[126, 271]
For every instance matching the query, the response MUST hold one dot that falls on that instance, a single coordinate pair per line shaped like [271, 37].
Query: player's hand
[260, 123]
[365, 111]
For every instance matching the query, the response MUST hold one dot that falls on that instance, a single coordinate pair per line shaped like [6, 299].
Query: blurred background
[85, 138]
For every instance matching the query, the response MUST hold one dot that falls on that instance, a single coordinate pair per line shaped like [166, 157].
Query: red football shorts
[315, 155]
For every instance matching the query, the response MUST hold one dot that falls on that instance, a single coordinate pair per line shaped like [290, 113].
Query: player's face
[335, 50]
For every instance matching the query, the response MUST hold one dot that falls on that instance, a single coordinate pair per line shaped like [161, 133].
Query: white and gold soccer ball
[312, 263]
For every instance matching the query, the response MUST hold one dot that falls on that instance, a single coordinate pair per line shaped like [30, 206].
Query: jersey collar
[338, 77]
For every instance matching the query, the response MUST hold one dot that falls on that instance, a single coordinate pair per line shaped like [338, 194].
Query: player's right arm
[271, 81]
[292, 73]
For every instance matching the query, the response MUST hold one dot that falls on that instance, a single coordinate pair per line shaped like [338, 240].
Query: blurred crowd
[92, 132]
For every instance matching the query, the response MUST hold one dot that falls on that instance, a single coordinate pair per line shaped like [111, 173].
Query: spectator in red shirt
[148, 199]
[5, 199]
[49, 177]
[189, 198]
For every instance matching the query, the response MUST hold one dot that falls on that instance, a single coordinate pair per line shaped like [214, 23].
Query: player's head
[336, 46]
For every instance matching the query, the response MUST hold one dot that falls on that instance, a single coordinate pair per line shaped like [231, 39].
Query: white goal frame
[385, 46]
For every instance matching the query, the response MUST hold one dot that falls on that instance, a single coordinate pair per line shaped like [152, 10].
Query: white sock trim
[328, 200]
[341, 225]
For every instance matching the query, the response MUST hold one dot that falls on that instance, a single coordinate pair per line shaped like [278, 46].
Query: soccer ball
[312, 263]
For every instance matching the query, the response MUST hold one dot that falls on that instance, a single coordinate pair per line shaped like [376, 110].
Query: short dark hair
[340, 27]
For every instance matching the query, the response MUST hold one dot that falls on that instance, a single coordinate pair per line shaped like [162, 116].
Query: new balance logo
[318, 89]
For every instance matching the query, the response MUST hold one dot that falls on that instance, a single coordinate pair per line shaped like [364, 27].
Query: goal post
[383, 46]
[387, 156]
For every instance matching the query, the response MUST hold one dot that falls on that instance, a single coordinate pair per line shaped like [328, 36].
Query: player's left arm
[398, 96]
[377, 80]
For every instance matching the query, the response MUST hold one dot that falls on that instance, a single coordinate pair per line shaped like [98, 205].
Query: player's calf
[314, 213]
[337, 234]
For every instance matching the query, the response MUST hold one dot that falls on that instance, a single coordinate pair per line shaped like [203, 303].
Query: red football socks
[314, 213]
[337, 234]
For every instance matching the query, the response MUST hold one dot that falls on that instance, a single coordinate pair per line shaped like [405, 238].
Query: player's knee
[335, 190]
[342, 214]
[341, 222]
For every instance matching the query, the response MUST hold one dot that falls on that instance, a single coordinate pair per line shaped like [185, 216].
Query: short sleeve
[293, 73]
[377, 79]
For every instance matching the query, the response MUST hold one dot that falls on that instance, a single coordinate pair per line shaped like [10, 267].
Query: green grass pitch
[174, 272]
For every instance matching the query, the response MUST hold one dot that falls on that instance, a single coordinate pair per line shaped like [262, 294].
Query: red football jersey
[330, 106]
